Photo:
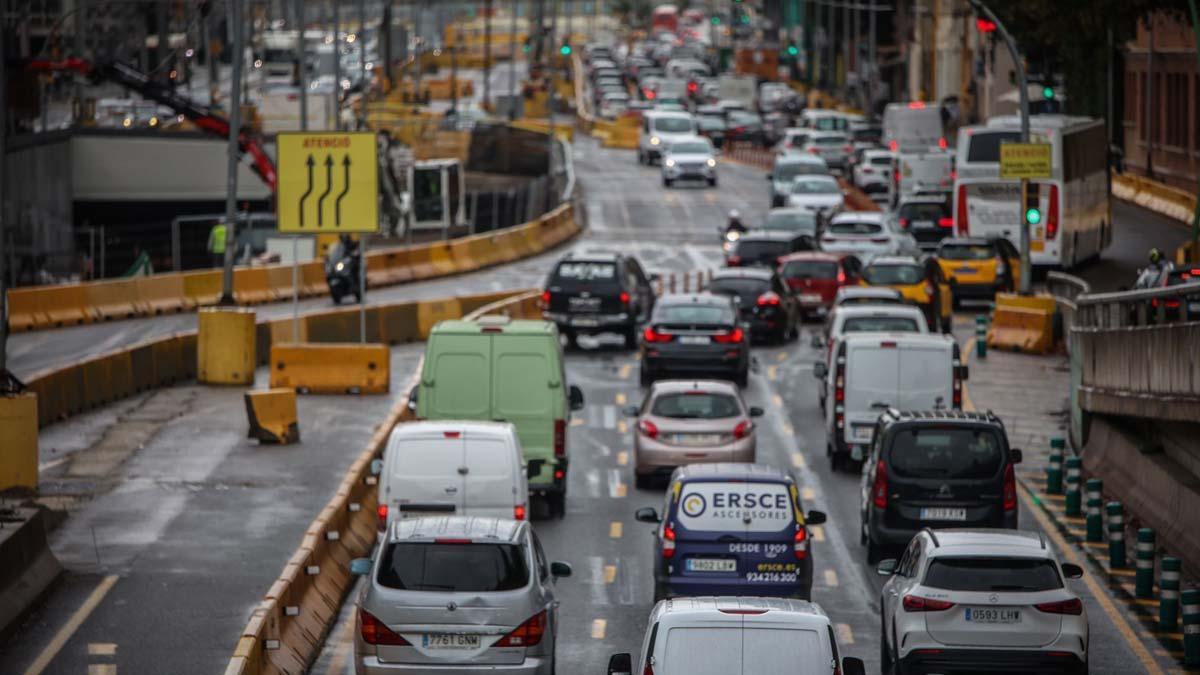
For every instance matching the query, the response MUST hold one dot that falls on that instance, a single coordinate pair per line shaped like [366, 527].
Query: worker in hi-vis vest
[216, 244]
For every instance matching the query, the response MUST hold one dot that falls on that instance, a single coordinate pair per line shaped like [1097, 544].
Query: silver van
[458, 595]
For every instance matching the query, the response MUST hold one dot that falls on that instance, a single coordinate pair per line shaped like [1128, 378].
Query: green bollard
[1168, 595]
[1191, 628]
[1144, 586]
[1116, 536]
[1095, 521]
[1054, 472]
[1073, 497]
[981, 328]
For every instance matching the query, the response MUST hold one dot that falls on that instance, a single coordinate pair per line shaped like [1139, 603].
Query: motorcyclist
[735, 223]
[342, 269]
[1150, 276]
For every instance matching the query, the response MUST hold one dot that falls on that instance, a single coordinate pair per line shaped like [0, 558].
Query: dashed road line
[625, 371]
[798, 460]
[599, 627]
[610, 573]
[616, 529]
[818, 533]
[623, 458]
[845, 634]
[777, 400]
[831, 578]
[622, 427]
[807, 494]
[102, 669]
[620, 398]
[773, 373]
[102, 649]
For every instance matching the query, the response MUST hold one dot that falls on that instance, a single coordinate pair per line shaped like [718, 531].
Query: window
[993, 574]
[967, 252]
[694, 314]
[883, 275]
[878, 324]
[696, 405]
[540, 555]
[946, 453]
[985, 146]
[810, 269]
[743, 288]
[459, 568]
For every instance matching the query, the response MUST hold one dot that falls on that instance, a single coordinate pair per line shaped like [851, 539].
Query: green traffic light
[792, 51]
[1048, 93]
[716, 21]
[565, 50]
[1033, 216]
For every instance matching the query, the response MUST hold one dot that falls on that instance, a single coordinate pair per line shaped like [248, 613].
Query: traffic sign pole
[1026, 263]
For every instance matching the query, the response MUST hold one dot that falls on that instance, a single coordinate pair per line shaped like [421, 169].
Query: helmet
[735, 215]
[1156, 256]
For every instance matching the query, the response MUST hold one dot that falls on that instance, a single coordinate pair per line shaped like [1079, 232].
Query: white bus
[1077, 215]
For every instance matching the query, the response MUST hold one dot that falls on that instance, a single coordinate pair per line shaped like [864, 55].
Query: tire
[837, 461]
[667, 182]
[885, 652]
[742, 380]
[630, 337]
[642, 482]
[712, 182]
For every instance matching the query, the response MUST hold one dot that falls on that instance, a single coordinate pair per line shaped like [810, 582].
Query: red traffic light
[985, 25]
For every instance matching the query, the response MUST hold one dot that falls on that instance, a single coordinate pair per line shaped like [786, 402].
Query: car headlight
[655, 140]
[711, 162]
[670, 162]
[340, 266]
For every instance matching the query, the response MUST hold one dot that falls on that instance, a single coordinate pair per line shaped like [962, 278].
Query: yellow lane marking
[102, 649]
[625, 371]
[789, 429]
[818, 533]
[344, 642]
[610, 573]
[772, 372]
[781, 356]
[621, 491]
[60, 638]
[577, 421]
[623, 458]
[845, 635]
[616, 529]
[710, 197]
[968, 404]
[798, 460]
[807, 494]
[102, 669]
[777, 400]
[620, 398]
[622, 426]
[831, 578]
[598, 628]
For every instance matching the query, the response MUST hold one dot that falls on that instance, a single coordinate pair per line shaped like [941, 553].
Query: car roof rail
[929, 530]
[1042, 540]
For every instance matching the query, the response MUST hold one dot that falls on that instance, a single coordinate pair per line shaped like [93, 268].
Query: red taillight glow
[519, 512]
[692, 87]
[904, 223]
[649, 429]
[768, 299]
[560, 438]
[743, 612]
[841, 277]
[1052, 214]
[1073, 607]
[815, 151]
[879, 488]
[879, 240]
[733, 260]
[1010, 489]
[916, 105]
[668, 542]
[848, 148]
[732, 337]
[800, 547]
[527, 634]
[648, 670]
[452, 434]
[374, 632]
[942, 142]
[945, 223]
[546, 299]
[963, 225]
[653, 336]
[624, 298]
[743, 429]
[381, 513]
[915, 603]
[894, 146]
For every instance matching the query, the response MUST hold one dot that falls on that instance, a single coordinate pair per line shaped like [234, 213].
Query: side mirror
[413, 396]
[886, 568]
[575, 398]
[1072, 571]
[820, 370]
[361, 567]
[853, 666]
[814, 518]
[630, 411]
[534, 468]
[757, 412]
[620, 664]
[376, 467]
[647, 514]
[560, 570]
[1015, 455]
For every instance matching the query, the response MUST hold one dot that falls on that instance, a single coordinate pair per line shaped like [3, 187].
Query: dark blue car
[732, 529]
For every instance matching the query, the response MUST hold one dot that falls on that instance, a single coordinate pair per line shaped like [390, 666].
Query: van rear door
[457, 379]
[872, 385]
[926, 377]
[737, 644]
[491, 480]
[425, 478]
[524, 383]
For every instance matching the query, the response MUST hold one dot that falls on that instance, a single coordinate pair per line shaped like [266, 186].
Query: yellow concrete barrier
[331, 368]
[161, 294]
[252, 286]
[622, 137]
[432, 312]
[226, 349]
[112, 299]
[272, 416]
[202, 288]
[1023, 323]
[19, 441]
[1187, 254]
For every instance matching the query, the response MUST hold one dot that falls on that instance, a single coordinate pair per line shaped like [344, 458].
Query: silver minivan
[458, 595]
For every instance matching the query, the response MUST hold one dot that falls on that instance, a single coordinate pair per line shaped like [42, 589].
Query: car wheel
[862, 533]
[667, 182]
[885, 652]
[712, 182]
[630, 336]
[743, 379]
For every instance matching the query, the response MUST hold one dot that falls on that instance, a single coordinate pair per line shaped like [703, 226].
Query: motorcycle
[342, 276]
[728, 238]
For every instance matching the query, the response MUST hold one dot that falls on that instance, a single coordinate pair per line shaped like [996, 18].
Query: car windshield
[830, 140]
[815, 185]
[693, 148]
[696, 405]
[967, 252]
[459, 568]
[761, 250]
[584, 273]
[885, 275]
[1022, 575]
[855, 227]
[960, 453]
[830, 123]
[746, 289]
[694, 314]
[879, 324]
[881, 161]
[792, 221]
[810, 269]
[710, 123]
[786, 172]
[672, 124]
[922, 211]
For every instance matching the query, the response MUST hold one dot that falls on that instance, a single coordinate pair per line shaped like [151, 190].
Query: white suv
[985, 600]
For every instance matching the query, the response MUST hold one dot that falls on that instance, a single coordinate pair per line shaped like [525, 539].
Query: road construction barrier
[19, 439]
[226, 352]
[27, 566]
[161, 294]
[1023, 323]
[271, 414]
[331, 368]
[108, 300]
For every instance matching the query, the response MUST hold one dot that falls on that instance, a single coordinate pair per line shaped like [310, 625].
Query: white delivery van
[660, 129]
[871, 372]
[921, 172]
[452, 467]
[913, 127]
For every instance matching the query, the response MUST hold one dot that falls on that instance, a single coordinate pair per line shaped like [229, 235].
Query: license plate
[697, 439]
[810, 298]
[964, 270]
[943, 513]
[862, 432]
[923, 224]
[711, 565]
[449, 641]
[992, 615]
[694, 339]
[586, 321]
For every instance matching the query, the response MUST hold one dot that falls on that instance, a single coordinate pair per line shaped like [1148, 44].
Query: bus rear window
[985, 145]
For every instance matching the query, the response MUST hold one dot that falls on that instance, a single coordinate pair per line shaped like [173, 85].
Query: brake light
[648, 670]
[1052, 214]
[374, 632]
[893, 146]
[879, 240]
[692, 87]
[624, 298]
[800, 547]
[962, 210]
[942, 142]
[945, 222]
[452, 434]
[879, 489]
[768, 299]
[915, 603]
[917, 105]
[738, 130]
[887, 344]
[848, 148]
[546, 296]
[519, 512]
[527, 634]
[868, 170]
[381, 513]
[649, 429]
[668, 542]
[1073, 607]
[841, 277]
[733, 260]
[815, 151]
[560, 438]
[743, 612]
[651, 335]
[1010, 489]
[904, 223]
[734, 336]
[743, 429]
[649, 93]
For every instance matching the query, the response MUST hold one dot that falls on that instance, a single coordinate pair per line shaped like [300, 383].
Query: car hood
[697, 157]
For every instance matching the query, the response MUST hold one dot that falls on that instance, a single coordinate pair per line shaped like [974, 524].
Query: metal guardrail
[1149, 307]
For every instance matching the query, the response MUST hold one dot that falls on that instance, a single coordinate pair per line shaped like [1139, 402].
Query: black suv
[764, 301]
[598, 293]
[942, 468]
[764, 248]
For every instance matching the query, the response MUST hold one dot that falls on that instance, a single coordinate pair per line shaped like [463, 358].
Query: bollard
[1168, 595]
[1095, 521]
[1144, 585]
[981, 336]
[1191, 628]
[1054, 473]
[1116, 536]
[1073, 497]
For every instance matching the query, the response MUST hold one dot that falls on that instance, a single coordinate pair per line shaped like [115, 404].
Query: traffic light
[985, 25]
[792, 50]
[528, 45]
[565, 49]
[716, 20]
[1031, 204]
[1048, 92]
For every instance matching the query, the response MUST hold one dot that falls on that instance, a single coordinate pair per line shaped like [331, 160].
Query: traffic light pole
[1023, 92]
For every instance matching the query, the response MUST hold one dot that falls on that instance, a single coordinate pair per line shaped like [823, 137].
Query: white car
[873, 173]
[820, 194]
[692, 158]
[866, 233]
[981, 599]
[661, 128]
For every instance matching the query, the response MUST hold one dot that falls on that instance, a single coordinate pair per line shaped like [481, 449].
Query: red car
[814, 277]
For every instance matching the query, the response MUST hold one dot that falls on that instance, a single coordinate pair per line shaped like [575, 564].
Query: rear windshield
[855, 227]
[815, 185]
[871, 135]
[923, 211]
[830, 140]
[459, 568]
[863, 300]
[722, 507]
[885, 275]
[985, 145]
[696, 405]
[967, 252]
[785, 172]
[876, 324]
[810, 269]
[762, 249]
[672, 124]
[694, 314]
[993, 574]
[831, 123]
[1183, 276]
[792, 221]
[745, 288]
[583, 273]
[946, 453]
[881, 161]
[710, 123]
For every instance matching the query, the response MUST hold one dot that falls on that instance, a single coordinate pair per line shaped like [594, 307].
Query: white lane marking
[616, 488]
[102, 669]
[73, 623]
[102, 649]
[831, 578]
[592, 479]
[598, 628]
[610, 416]
[845, 635]
[596, 581]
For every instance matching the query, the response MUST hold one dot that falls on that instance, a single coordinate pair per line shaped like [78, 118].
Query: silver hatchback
[460, 596]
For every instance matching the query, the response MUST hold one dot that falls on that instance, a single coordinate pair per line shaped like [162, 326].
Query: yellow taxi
[921, 282]
[978, 268]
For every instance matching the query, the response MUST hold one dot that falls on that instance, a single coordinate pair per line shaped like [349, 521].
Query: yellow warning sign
[328, 182]
[1025, 160]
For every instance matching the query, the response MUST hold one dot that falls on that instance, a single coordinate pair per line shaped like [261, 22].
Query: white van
[871, 372]
[732, 635]
[913, 127]
[452, 467]
[660, 129]
[929, 171]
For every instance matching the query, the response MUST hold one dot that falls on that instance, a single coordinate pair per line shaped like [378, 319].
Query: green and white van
[505, 370]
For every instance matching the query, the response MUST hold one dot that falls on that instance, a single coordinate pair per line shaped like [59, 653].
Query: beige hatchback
[690, 422]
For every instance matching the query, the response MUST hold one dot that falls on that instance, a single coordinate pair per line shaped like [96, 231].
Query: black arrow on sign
[337, 203]
[328, 189]
[307, 192]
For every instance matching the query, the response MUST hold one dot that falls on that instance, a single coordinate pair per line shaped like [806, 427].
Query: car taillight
[768, 299]
[904, 223]
[942, 143]
[893, 146]
[841, 277]
[962, 210]
[915, 603]
[839, 394]
[734, 336]
[800, 547]
[560, 438]
[879, 489]
[624, 298]
[815, 151]
[651, 335]
[546, 296]
[743, 429]
[868, 170]
[1073, 607]
[1052, 214]
[374, 632]
[519, 512]
[668, 542]
[527, 634]
[733, 260]
[649, 429]
[848, 148]
[648, 670]
[945, 223]
[381, 515]
[1010, 489]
